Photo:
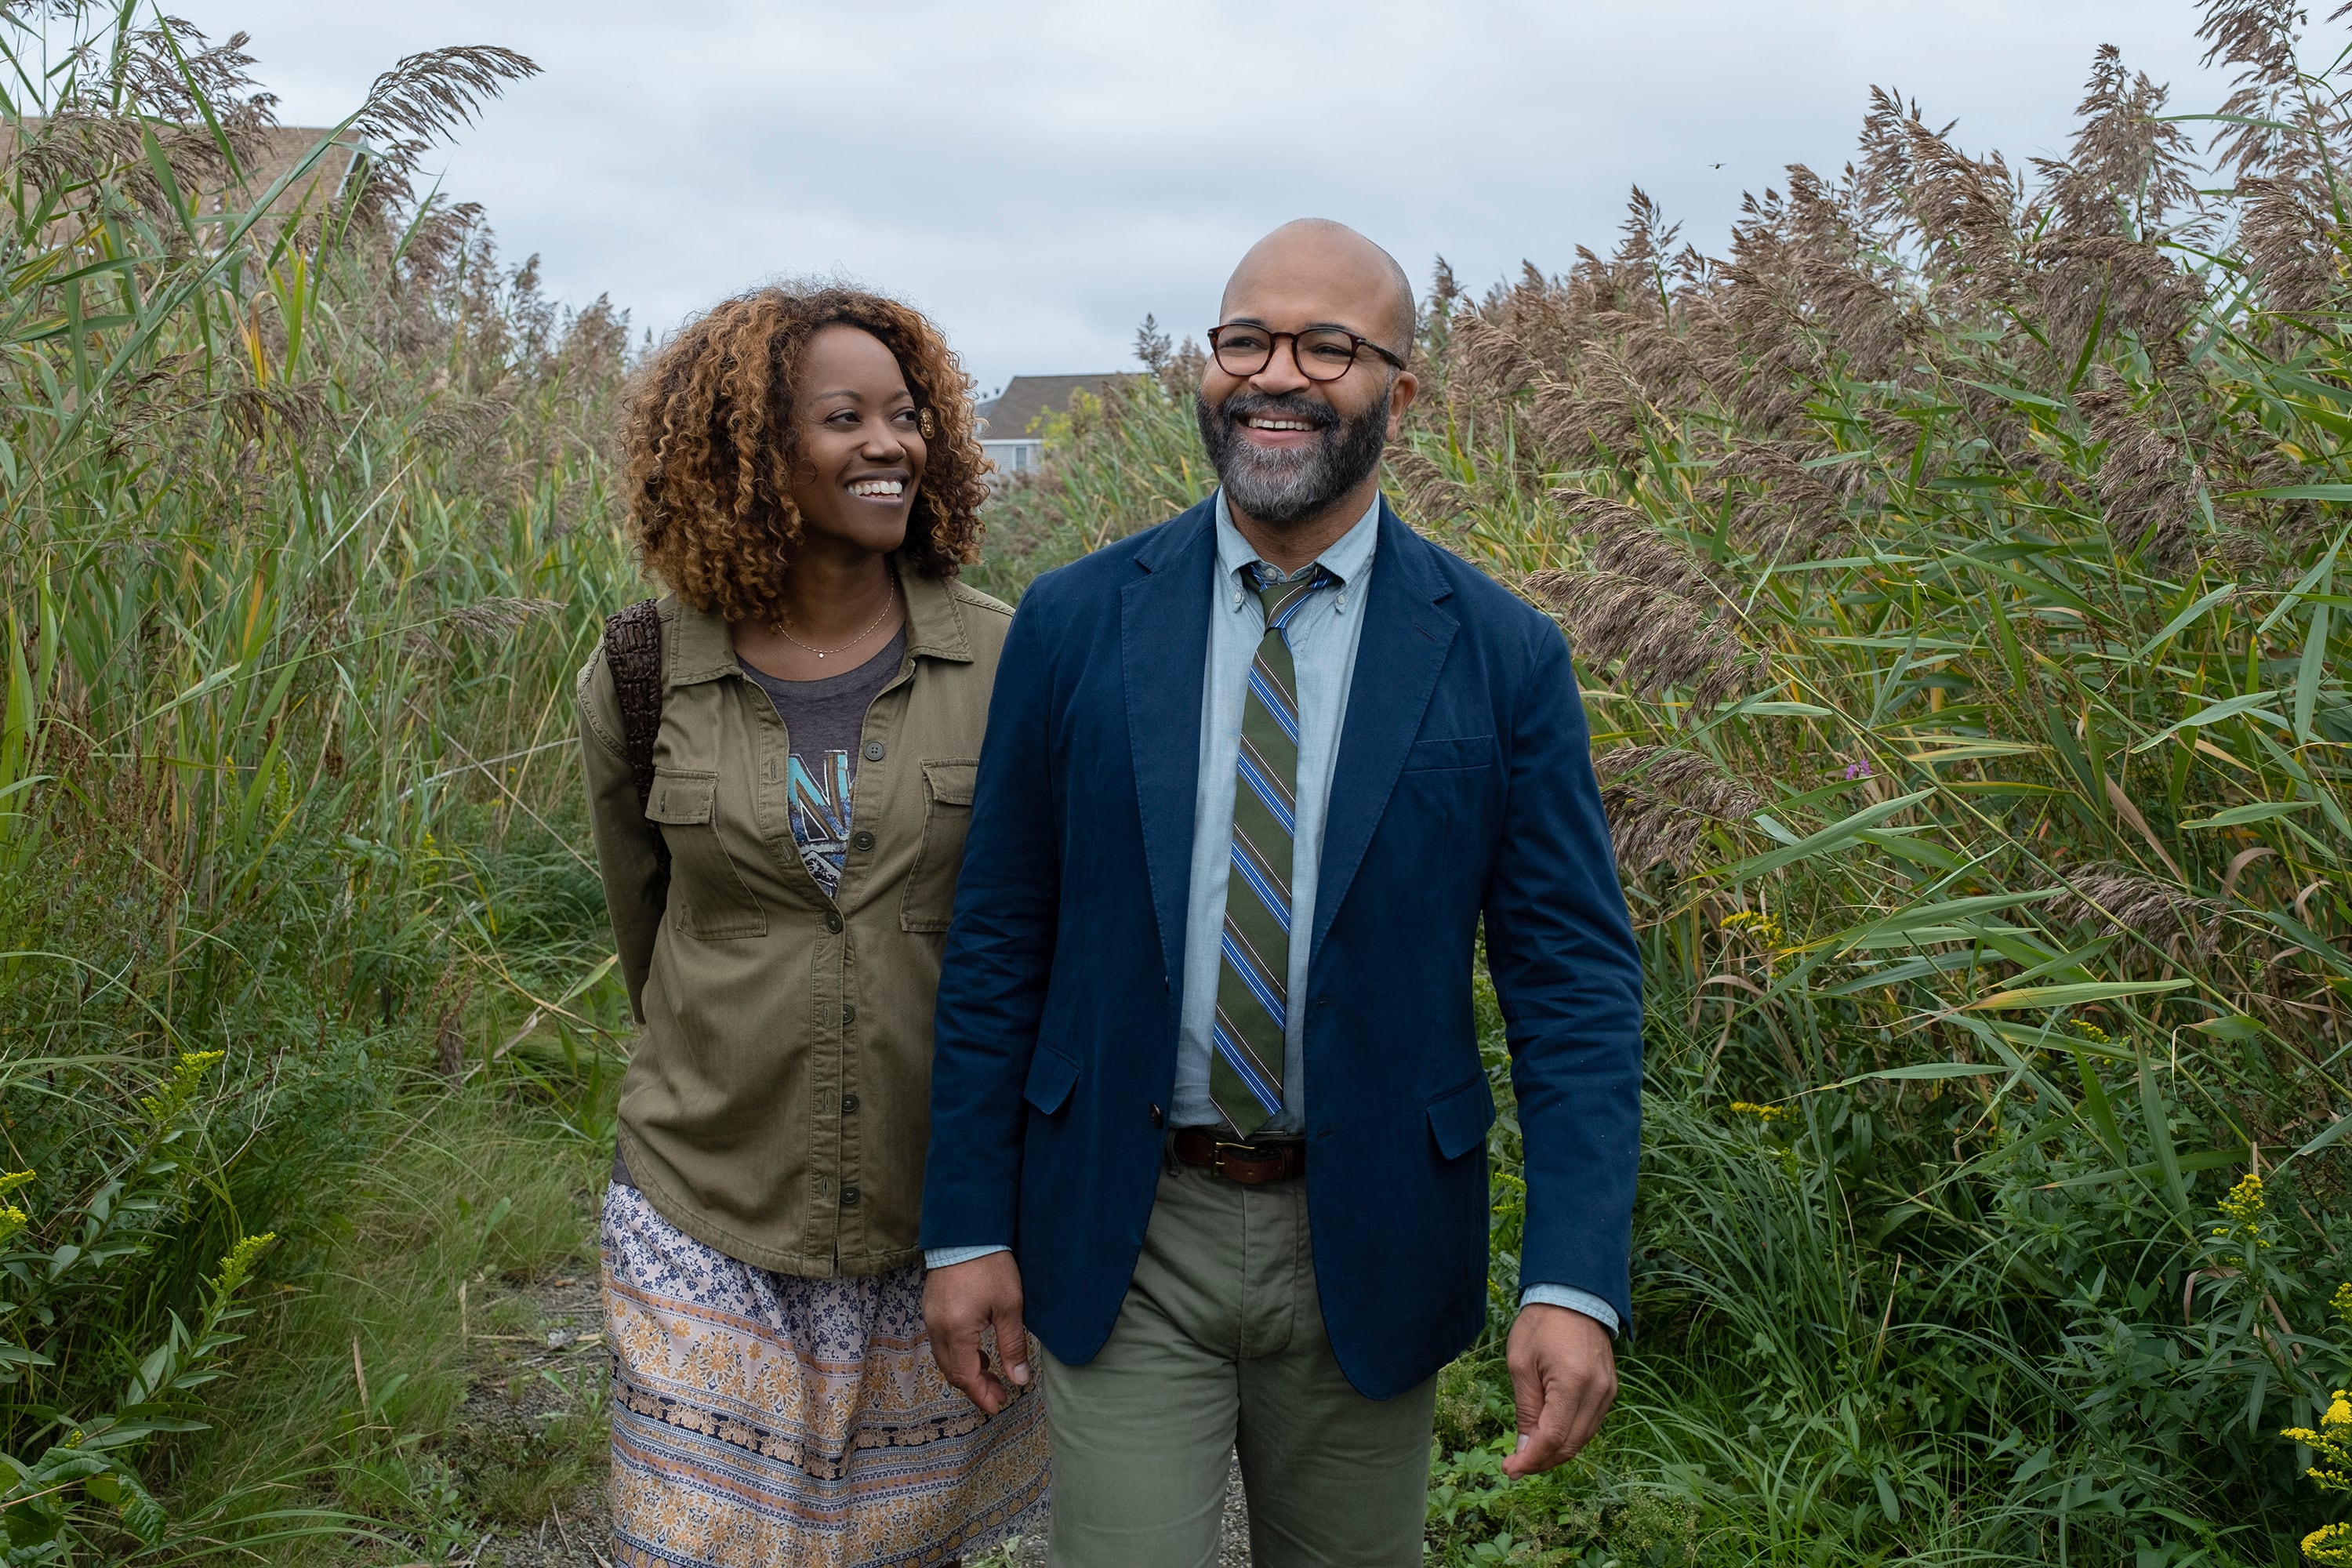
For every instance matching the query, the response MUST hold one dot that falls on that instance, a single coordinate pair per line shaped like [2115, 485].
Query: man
[1279, 754]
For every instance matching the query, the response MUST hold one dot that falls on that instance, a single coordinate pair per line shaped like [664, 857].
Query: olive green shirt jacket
[776, 1103]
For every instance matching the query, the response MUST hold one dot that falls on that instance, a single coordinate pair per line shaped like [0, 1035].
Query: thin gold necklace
[888, 604]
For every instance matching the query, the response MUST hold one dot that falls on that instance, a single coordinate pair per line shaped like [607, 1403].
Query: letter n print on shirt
[820, 810]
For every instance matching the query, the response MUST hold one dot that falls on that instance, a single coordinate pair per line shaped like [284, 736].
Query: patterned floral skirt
[762, 1419]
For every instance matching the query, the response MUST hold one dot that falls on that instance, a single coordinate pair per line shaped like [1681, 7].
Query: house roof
[1026, 398]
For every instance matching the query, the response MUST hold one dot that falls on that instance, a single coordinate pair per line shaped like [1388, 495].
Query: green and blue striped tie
[1253, 971]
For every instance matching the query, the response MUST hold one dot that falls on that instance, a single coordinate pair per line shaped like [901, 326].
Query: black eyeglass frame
[1357, 343]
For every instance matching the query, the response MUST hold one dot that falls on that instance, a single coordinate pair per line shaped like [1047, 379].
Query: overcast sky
[1039, 175]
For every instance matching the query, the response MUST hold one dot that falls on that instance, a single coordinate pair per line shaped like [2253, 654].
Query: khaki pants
[1219, 1346]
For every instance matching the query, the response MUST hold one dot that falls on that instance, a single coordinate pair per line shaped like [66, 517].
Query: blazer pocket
[1051, 1077]
[1462, 752]
[929, 897]
[1459, 1117]
[707, 898]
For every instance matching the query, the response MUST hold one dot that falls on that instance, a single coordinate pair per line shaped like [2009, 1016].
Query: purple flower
[1857, 771]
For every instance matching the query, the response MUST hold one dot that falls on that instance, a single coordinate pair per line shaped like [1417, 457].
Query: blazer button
[861, 839]
[849, 1105]
[873, 750]
[833, 921]
[849, 1197]
[1159, 1118]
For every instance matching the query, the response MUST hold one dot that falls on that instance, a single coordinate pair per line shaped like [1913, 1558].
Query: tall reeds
[301, 533]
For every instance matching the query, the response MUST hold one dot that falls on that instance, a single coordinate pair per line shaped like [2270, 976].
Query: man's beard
[1283, 487]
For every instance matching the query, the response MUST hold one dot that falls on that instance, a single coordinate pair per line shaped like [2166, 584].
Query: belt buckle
[1217, 1151]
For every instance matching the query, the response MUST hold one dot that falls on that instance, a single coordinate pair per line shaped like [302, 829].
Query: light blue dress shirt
[1323, 636]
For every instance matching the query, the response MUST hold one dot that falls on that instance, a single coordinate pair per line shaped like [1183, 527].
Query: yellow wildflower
[239, 1263]
[2092, 1032]
[1767, 1113]
[186, 1074]
[2243, 1209]
[2330, 1545]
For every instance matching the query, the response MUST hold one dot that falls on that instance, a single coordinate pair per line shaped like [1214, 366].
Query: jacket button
[849, 1197]
[849, 1105]
[873, 750]
[848, 1013]
[861, 839]
[833, 919]
[1159, 1118]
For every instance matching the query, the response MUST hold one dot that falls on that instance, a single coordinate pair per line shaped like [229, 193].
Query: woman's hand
[962, 1301]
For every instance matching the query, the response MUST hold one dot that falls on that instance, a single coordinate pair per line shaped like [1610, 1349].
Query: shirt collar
[1348, 559]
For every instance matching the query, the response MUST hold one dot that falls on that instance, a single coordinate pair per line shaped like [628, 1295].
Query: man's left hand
[1564, 1380]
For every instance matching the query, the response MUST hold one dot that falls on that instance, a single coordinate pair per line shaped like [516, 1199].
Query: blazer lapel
[1164, 654]
[1403, 648]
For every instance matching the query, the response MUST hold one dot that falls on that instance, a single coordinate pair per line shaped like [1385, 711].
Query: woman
[803, 478]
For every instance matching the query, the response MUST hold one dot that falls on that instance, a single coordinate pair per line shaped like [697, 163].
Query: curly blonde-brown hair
[710, 449]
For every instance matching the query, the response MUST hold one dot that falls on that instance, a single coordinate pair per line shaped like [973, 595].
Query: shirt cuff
[1566, 1295]
[949, 1256]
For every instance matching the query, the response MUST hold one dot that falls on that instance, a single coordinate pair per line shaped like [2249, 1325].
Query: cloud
[1039, 175]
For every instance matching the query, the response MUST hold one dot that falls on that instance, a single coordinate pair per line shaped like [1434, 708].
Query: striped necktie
[1253, 968]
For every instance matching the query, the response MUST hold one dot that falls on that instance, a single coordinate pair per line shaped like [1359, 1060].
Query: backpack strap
[633, 652]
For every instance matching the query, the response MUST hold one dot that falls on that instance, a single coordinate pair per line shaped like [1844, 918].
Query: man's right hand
[959, 1303]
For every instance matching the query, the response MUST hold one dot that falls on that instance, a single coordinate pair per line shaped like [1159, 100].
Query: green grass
[464, 1196]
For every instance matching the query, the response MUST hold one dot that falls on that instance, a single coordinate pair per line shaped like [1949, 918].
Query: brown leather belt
[1252, 1164]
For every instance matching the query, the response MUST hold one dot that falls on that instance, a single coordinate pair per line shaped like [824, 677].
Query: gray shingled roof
[1025, 397]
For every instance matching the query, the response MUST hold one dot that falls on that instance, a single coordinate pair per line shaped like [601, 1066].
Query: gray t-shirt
[823, 720]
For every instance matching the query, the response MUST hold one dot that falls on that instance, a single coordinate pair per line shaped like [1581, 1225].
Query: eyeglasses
[1323, 354]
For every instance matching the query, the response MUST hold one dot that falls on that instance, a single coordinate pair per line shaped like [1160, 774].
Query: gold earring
[928, 423]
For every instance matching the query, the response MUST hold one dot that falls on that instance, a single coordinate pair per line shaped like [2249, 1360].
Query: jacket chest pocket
[947, 817]
[707, 898]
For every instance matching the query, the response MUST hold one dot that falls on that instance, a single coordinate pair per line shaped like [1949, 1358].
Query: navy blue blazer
[1464, 786]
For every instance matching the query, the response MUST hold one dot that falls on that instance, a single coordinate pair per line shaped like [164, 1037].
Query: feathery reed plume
[1661, 640]
[1967, 210]
[1491, 348]
[2116, 900]
[2289, 246]
[1643, 601]
[1431, 497]
[485, 621]
[2148, 484]
[1794, 511]
[420, 98]
[2270, 124]
[1572, 427]
[1622, 539]
[2130, 168]
[2095, 282]
[1660, 802]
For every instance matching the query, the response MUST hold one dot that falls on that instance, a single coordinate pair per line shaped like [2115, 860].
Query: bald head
[1350, 281]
